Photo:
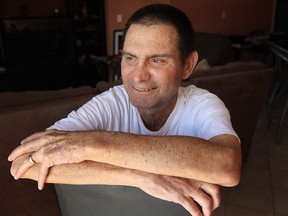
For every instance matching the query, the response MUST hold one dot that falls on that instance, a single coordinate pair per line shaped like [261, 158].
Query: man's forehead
[151, 37]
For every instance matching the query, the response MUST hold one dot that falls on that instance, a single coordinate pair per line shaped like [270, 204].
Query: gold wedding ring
[31, 159]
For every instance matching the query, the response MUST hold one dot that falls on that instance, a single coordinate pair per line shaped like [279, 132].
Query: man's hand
[49, 148]
[184, 192]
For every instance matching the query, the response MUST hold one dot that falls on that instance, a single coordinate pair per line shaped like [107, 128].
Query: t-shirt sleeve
[100, 113]
[213, 118]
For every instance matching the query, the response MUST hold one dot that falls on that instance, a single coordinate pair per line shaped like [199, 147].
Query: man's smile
[143, 89]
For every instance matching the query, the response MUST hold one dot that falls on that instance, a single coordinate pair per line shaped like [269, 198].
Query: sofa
[243, 86]
[21, 114]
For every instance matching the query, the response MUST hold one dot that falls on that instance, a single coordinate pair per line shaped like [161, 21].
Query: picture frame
[118, 40]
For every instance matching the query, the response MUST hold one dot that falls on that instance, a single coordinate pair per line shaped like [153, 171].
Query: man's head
[166, 14]
[157, 55]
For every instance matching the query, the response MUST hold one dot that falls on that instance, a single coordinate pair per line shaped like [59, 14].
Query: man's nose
[142, 72]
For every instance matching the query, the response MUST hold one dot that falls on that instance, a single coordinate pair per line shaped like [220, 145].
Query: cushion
[202, 65]
[230, 67]
[9, 99]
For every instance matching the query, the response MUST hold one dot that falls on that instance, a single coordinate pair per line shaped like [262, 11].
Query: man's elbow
[231, 179]
[232, 172]
[230, 160]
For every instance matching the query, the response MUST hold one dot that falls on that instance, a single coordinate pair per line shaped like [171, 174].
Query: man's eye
[130, 58]
[157, 61]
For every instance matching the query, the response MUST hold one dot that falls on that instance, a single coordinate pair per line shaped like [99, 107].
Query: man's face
[151, 66]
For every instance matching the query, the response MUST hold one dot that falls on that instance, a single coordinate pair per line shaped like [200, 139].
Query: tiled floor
[263, 189]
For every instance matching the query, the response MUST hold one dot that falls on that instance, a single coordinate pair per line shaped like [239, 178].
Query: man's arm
[174, 189]
[216, 161]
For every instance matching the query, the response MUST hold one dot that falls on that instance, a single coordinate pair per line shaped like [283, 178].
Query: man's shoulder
[193, 90]
[114, 95]
[115, 91]
[195, 95]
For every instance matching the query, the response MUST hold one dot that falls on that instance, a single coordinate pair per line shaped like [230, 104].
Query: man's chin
[142, 105]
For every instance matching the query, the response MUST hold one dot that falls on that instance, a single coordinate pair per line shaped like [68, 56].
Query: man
[176, 144]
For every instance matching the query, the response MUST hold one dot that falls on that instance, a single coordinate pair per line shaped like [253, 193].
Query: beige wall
[226, 17]
[216, 16]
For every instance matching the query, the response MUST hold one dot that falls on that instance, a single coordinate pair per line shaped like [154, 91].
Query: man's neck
[154, 119]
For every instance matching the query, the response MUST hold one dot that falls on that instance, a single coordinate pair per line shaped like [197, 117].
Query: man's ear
[190, 64]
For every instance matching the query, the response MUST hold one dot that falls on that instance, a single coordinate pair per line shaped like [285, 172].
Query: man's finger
[214, 192]
[33, 137]
[24, 148]
[23, 167]
[42, 177]
[190, 205]
[206, 203]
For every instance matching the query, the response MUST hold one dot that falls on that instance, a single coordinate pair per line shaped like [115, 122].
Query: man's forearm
[87, 172]
[186, 157]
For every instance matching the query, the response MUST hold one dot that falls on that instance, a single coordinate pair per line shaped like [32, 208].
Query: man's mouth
[143, 89]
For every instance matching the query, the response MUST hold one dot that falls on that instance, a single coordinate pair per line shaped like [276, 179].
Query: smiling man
[176, 144]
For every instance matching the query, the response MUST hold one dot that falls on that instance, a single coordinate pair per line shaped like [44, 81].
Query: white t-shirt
[197, 113]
